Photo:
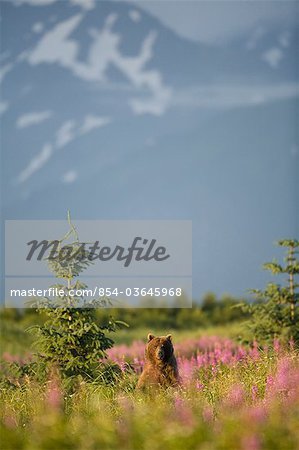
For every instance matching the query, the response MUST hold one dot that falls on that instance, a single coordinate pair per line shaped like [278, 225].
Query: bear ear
[169, 337]
[150, 337]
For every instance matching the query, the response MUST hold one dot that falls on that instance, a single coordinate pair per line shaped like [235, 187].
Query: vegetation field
[69, 375]
[232, 396]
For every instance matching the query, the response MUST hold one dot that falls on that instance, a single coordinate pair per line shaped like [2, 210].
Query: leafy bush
[276, 311]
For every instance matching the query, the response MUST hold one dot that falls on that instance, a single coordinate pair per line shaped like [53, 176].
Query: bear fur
[160, 368]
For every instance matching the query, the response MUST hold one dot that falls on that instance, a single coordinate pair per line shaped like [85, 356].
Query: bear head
[159, 349]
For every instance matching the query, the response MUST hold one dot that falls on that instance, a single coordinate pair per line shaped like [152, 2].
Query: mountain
[109, 113]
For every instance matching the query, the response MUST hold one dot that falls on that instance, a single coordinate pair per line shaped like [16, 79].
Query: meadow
[232, 396]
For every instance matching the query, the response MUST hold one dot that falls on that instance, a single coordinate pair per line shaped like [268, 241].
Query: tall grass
[230, 398]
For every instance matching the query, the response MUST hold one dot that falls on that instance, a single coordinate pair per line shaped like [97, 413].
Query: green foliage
[276, 311]
[221, 311]
[70, 339]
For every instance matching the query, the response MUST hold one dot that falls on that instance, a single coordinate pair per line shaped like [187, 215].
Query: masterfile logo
[146, 250]
[129, 258]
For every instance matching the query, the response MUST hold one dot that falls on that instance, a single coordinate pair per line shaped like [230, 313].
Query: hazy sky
[114, 114]
[206, 20]
[215, 21]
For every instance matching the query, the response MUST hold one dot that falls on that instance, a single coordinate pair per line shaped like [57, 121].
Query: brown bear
[160, 368]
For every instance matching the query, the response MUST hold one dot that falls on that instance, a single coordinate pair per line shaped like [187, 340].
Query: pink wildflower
[235, 396]
[199, 385]
[54, 395]
[276, 345]
[254, 392]
[207, 413]
[183, 411]
[251, 442]
[257, 414]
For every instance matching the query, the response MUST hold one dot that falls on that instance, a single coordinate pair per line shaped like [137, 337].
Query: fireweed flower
[186, 369]
[276, 346]
[254, 392]
[199, 385]
[54, 395]
[202, 352]
[292, 344]
[235, 397]
[183, 411]
[6, 356]
[138, 365]
[240, 354]
[269, 384]
[254, 352]
[122, 364]
[207, 413]
[257, 414]
[282, 377]
[283, 382]
[287, 378]
[251, 442]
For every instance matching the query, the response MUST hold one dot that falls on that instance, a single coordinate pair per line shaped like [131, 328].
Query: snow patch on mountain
[135, 15]
[36, 163]
[33, 118]
[91, 122]
[84, 4]
[69, 177]
[57, 47]
[273, 56]
[234, 96]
